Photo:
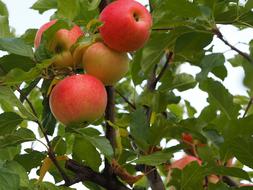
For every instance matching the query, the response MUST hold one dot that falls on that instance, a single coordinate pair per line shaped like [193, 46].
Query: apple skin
[63, 59]
[126, 25]
[181, 163]
[78, 98]
[107, 65]
[63, 38]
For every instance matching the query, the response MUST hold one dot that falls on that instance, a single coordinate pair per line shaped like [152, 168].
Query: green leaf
[9, 122]
[94, 4]
[158, 158]
[190, 110]
[9, 62]
[139, 128]
[209, 63]
[243, 151]
[44, 5]
[3, 9]
[220, 97]
[31, 159]
[20, 136]
[68, 8]
[8, 179]
[154, 159]
[7, 96]
[174, 11]
[192, 176]
[16, 46]
[83, 150]
[101, 143]
[4, 27]
[189, 43]
[17, 76]
[59, 145]
[229, 171]
[17, 169]
[9, 153]
[29, 36]
[181, 82]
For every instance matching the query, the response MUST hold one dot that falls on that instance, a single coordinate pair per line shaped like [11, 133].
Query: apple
[62, 40]
[78, 53]
[78, 98]
[181, 163]
[104, 63]
[63, 59]
[126, 25]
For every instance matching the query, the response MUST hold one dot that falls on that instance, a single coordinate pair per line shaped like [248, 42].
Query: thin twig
[125, 99]
[221, 37]
[166, 65]
[50, 150]
[248, 107]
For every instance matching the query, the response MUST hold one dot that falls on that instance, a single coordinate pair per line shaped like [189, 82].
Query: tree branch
[110, 131]
[125, 99]
[248, 107]
[243, 54]
[85, 173]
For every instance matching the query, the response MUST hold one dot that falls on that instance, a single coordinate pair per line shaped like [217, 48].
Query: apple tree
[95, 97]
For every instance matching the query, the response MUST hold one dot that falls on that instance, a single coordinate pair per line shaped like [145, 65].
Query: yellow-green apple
[63, 59]
[181, 163]
[63, 38]
[78, 53]
[104, 63]
[126, 25]
[78, 98]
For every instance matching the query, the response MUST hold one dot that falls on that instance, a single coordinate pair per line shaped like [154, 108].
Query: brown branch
[85, 173]
[229, 181]
[110, 131]
[248, 107]
[125, 99]
[243, 54]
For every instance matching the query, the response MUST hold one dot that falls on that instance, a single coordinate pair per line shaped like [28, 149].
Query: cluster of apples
[82, 97]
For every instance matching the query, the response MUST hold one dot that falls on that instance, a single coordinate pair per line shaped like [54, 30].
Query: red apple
[107, 65]
[63, 38]
[181, 163]
[78, 98]
[126, 25]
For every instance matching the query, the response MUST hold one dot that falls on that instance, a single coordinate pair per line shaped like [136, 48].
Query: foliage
[155, 116]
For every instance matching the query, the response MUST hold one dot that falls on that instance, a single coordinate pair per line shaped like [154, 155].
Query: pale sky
[22, 18]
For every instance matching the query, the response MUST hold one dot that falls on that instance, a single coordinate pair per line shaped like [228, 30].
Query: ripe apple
[181, 163]
[107, 65]
[126, 25]
[62, 40]
[78, 98]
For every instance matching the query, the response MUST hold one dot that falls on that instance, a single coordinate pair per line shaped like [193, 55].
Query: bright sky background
[22, 18]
